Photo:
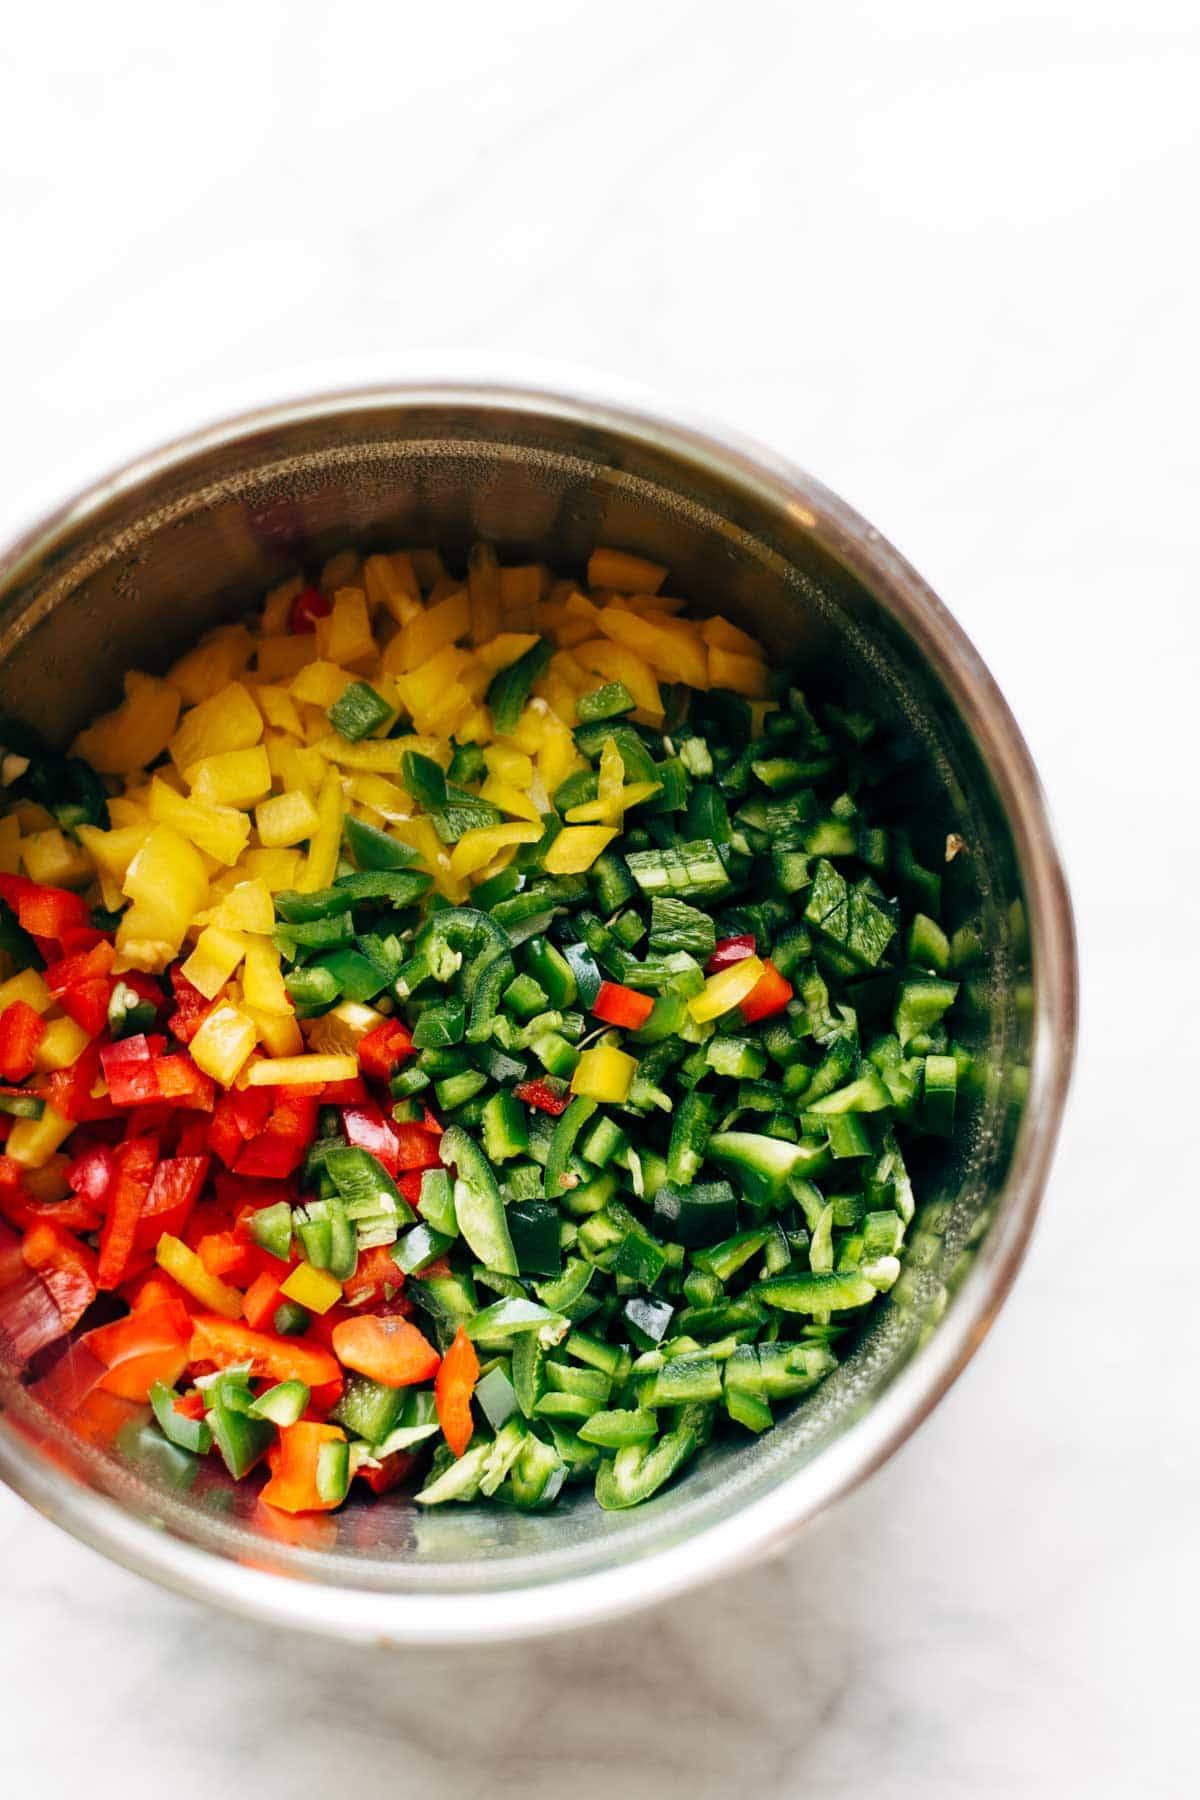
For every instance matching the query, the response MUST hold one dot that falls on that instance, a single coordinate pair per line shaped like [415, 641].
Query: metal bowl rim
[767, 1524]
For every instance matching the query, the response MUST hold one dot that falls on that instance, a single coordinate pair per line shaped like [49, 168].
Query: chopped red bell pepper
[226, 1342]
[176, 1186]
[191, 1007]
[132, 1178]
[391, 1471]
[367, 1128]
[769, 995]
[351, 1092]
[410, 1183]
[387, 1349]
[81, 938]
[452, 1389]
[91, 964]
[21, 1032]
[293, 1461]
[228, 1258]
[150, 1345]
[67, 1267]
[130, 1069]
[183, 1084]
[375, 1271]
[190, 1406]
[262, 1298]
[730, 950]
[382, 1050]
[69, 1091]
[90, 1175]
[541, 1095]
[282, 1143]
[44, 912]
[309, 605]
[416, 1147]
[88, 1005]
[618, 1005]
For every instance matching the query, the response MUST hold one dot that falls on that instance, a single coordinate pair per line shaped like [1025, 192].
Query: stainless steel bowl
[129, 572]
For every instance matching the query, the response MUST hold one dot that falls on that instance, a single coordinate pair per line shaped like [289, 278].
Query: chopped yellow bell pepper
[136, 733]
[275, 868]
[509, 764]
[422, 638]
[320, 684]
[617, 662]
[726, 989]
[576, 848]
[296, 1071]
[475, 849]
[320, 865]
[279, 709]
[340, 1031]
[53, 859]
[278, 1033]
[32, 1142]
[216, 955]
[29, 987]
[223, 1043]
[184, 1266]
[229, 720]
[521, 589]
[285, 819]
[509, 799]
[391, 583]
[282, 658]
[745, 675]
[63, 1043]
[380, 796]
[345, 635]
[627, 573]
[500, 651]
[277, 607]
[247, 906]
[212, 665]
[604, 1073]
[233, 778]
[314, 1289]
[719, 634]
[262, 981]
[612, 811]
[168, 883]
[673, 650]
[220, 831]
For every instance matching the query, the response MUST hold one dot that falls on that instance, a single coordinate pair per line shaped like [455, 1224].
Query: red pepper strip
[262, 1297]
[90, 1175]
[88, 1005]
[21, 1031]
[430, 1122]
[150, 1345]
[410, 1185]
[382, 1050]
[29, 1318]
[543, 1096]
[309, 605]
[729, 950]
[92, 964]
[282, 1144]
[376, 1271]
[769, 995]
[367, 1128]
[618, 1005]
[351, 1092]
[226, 1257]
[293, 1465]
[182, 1083]
[82, 938]
[387, 1349]
[134, 1173]
[129, 1069]
[452, 1391]
[177, 1184]
[223, 1342]
[191, 1007]
[392, 1471]
[67, 1267]
[45, 912]
[190, 1406]
[415, 1147]
[69, 1091]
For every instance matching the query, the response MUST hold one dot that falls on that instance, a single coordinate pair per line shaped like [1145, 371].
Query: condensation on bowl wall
[130, 572]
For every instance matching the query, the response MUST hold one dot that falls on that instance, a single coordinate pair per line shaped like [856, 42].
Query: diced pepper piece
[605, 1074]
[295, 1465]
[315, 1289]
[223, 1044]
[300, 1071]
[728, 988]
[387, 1349]
[453, 1387]
[622, 1006]
[185, 1267]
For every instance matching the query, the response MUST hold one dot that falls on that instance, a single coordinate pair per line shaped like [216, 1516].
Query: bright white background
[945, 256]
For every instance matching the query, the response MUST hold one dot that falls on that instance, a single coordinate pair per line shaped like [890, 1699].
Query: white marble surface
[944, 255]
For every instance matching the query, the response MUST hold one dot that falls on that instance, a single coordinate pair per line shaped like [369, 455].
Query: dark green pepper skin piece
[478, 1203]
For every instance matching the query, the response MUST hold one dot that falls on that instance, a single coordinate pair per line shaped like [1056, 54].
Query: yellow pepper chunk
[216, 955]
[168, 883]
[604, 1073]
[32, 1142]
[627, 573]
[315, 1289]
[279, 709]
[320, 684]
[223, 1043]
[262, 981]
[726, 989]
[500, 651]
[220, 831]
[423, 637]
[613, 810]
[280, 658]
[296, 1071]
[346, 633]
[673, 650]
[246, 907]
[719, 634]
[380, 795]
[279, 1034]
[341, 1030]
[320, 865]
[228, 721]
[745, 675]
[63, 1043]
[51, 858]
[391, 583]
[29, 987]
[576, 848]
[475, 849]
[136, 733]
[234, 778]
[617, 662]
[509, 799]
[285, 819]
[184, 1266]
[509, 764]
[276, 869]
[212, 665]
